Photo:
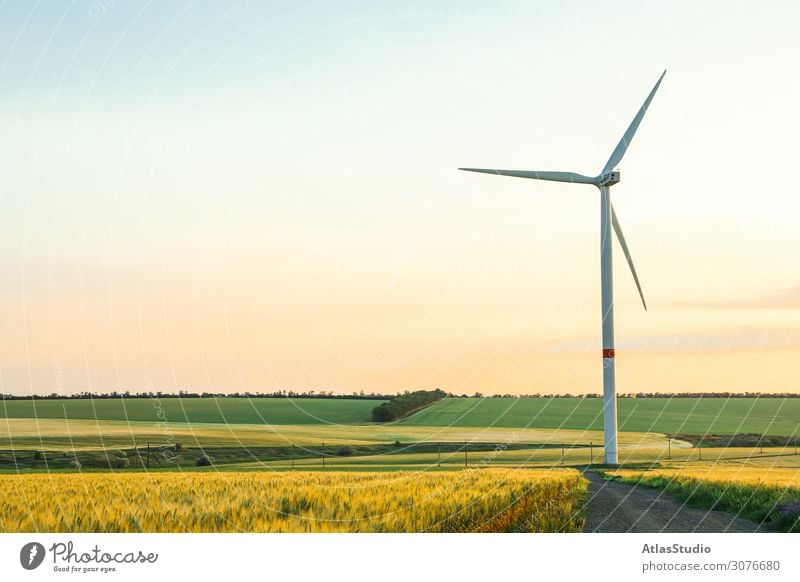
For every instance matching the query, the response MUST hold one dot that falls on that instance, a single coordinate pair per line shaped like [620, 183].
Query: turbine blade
[534, 175]
[622, 146]
[626, 252]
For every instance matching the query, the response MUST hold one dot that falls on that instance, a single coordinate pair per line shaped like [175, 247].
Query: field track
[617, 508]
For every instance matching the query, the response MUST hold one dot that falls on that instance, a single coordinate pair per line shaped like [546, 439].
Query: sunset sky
[263, 196]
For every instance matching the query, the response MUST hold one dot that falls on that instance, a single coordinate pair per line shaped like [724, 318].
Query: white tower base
[607, 294]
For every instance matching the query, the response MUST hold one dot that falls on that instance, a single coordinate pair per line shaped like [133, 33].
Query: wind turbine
[608, 220]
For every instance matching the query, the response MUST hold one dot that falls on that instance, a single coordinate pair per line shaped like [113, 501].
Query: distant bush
[122, 463]
[38, 455]
[204, 461]
[346, 452]
[121, 454]
[75, 464]
[405, 404]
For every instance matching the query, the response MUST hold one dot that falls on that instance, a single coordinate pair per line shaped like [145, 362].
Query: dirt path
[614, 507]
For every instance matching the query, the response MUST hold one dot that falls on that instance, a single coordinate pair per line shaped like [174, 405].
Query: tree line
[362, 395]
[406, 404]
[323, 394]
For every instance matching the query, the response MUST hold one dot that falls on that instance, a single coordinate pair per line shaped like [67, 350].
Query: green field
[278, 434]
[52, 444]
[55, 434]
[197, 410]
[769, 416]
[272, 432]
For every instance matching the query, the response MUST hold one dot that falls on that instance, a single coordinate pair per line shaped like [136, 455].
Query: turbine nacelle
[608, 179]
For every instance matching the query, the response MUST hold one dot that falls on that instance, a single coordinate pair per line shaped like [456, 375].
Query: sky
[263, 195]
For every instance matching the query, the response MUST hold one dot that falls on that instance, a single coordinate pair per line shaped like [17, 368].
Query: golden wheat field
[754, 476]
[472, 500]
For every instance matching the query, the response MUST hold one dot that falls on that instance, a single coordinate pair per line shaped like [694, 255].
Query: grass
[535, 457]
[197, 410]
[492, 500]
[644, 451]
[760, 493]
[770, 416]
[233, 458]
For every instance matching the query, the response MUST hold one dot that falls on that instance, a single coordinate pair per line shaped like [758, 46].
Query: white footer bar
[399, 557]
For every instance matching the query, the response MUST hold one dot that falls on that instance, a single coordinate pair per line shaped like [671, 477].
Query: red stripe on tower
[608, 353]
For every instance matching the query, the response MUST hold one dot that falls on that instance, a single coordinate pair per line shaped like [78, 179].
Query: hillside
[677, 415]
[216, 410]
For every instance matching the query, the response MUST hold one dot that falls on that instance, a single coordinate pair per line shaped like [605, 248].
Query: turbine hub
[608, 179]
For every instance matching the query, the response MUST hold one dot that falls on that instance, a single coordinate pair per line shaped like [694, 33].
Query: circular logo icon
[31, 555]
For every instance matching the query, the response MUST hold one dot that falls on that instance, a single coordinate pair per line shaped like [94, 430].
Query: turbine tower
[608, 220]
